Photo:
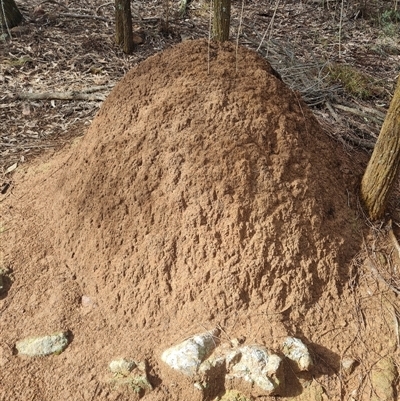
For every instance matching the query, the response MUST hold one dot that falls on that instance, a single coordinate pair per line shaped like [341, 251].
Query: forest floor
[184, 201]
[343, 62]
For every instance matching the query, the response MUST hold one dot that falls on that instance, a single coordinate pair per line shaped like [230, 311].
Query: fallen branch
[151, 19]
[370, 110]
[27, 146]
[361, 113]
[84, 16]
[333, 113]
[92, 89]
[365, 143]
[61, 96]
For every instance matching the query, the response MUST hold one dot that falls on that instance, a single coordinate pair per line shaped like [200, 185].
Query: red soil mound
[196, 198]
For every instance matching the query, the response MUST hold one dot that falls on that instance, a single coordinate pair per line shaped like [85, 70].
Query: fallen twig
[92, 89]
[151, 19]
[332, 111]
[71, 15]
[360, 113]
[61, 96]
[29, 146]
[365, 143]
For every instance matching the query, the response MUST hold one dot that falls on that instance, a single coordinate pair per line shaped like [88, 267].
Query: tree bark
[123, 25]
[10, 16]
[222, 19]
[383, 167]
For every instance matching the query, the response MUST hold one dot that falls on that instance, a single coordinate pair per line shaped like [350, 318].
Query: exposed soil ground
[205, 193]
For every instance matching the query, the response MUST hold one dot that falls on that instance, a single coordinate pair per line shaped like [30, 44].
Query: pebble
[43, 346]
[297, 351]
[383, 379]
[130, 373]
[260, 366]
[188, 355]
[122, 366]
[348, 365]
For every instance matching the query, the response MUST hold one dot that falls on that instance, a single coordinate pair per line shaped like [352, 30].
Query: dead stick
[96, 88]
[333, 113]
[84, 16]
[60, 96]
[358, 112]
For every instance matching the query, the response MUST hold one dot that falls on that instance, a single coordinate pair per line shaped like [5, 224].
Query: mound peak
[213, 191]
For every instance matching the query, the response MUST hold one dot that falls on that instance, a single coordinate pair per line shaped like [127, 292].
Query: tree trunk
[10, 16]
[383, 166]
[222, 19]
[123, 25]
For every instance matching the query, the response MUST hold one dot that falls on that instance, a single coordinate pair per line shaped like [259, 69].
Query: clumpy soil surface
[204, 194]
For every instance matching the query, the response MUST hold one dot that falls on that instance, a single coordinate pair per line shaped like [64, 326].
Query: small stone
[198, 386]
[260, 366]
[132, 374]
[86, 301]
[348, 365]
[233, 357]
[383, 379]
[43, 346]
[211, 364]
[296, 350]
[122, 366]
[188, 355]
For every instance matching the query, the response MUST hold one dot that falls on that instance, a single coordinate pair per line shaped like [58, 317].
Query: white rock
[260, 366]
[42, 346]
[348, 365]
[188, 355]
[198, 386]
[296, 350]
[87, 302]
[121, 366]
[232, 357]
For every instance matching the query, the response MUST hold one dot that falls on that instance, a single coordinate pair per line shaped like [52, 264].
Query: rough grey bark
[10, 16]
[222, 19]
[383, 167]
[123, 25]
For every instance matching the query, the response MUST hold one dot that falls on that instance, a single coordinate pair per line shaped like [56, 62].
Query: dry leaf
[12, 168]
